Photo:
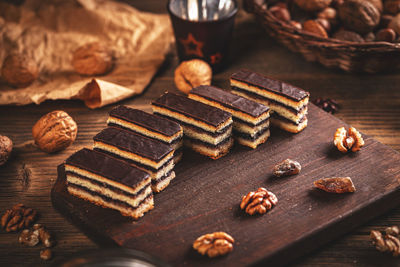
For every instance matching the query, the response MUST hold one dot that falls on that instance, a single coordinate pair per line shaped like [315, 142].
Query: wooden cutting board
[205, 197]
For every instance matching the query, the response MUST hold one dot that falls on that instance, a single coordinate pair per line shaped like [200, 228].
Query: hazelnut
[392, 6]
[6, 146]
[314, 27]
[313, 5]
[386, 35]
[280, 13]
[54, 131]
[395, 24]
[359, 15]
[192, 73]
[92, 59]
[19, 70]
[348, 36]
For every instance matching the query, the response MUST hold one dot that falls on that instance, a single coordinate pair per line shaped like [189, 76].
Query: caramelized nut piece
[214, 244]
[337, 185]
[345, 141]
[259, 201]
[287, 167]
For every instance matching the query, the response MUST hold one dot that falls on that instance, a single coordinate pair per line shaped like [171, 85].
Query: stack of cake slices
[250, 119]
[145, 153]
[149, 125]
[288, 103]
[207, 130]
[109, 182]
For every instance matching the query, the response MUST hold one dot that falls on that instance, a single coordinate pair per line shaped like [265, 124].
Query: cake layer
[270, 88]
[105, 169]
[214, 152]
[239, 107]
[132, 200]
[160, 184]
[288, 125]
[253, 143]
[244, 128]
[252, 136]
[103, 201]
[192, 112]
[144, 123]
[133, 146]
[277, 108]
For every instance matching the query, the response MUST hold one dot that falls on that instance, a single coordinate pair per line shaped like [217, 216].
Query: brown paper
[49, 32]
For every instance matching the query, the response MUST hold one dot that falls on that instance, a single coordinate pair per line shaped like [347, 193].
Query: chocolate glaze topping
[276, 86]
[230, 100]
[146, 120]
[134, 143]
[107, 166]
[192, 108]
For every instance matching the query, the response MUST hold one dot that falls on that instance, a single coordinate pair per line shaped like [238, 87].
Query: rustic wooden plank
[205, 197]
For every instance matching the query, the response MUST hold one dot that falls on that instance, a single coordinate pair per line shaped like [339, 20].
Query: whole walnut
[54, 131]
[395, 24]
[313, 5]
[6, 146]
[192, 73]
[19, 70]
[378, 4]
[359, 15]
[93, 59]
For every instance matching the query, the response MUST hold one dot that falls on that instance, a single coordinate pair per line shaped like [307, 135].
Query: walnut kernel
[192, 73]
[19, 70]
[28, 238]
[54, 131]
[6, 146]
[259, 201]
[345, 141]
[92, 59]
[214, 244]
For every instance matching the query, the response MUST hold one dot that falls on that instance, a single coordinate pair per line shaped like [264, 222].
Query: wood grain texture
[371, 103]
[205, 197]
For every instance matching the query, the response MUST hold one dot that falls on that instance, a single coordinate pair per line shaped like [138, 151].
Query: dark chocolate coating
[194, 109]
[275, 86]
[230, 100]
[134, 143]
[107, 166]
[149, 121]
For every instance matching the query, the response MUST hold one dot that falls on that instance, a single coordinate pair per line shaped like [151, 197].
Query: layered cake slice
[109, 182]
[149, 125]
[207, 130]
[288, 103]
[250, 119]
[148, 154]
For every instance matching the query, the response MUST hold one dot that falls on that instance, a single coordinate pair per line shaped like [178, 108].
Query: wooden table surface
[371, 103]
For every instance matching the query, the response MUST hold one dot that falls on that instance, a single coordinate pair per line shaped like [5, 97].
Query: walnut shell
[92, 59]
[192, 73]
[54, 131]
[313, 5]
[6, 146]
[19, 70]
[359, 15]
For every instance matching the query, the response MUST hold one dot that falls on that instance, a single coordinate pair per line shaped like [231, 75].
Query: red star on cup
[192, 46]
[216, 58]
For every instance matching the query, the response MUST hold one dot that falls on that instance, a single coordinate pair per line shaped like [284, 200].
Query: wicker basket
[370, 57]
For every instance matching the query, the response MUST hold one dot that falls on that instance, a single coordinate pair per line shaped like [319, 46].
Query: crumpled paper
[49, 32]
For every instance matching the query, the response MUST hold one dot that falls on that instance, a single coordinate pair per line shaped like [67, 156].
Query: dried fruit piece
[92, 59]
[337, 185]
[6, 146]
[287, 167]
[259, 201]
[345, 141]
[214, 244]
[192, 73]
[19, 70]
[54, 131]
[46, 254]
